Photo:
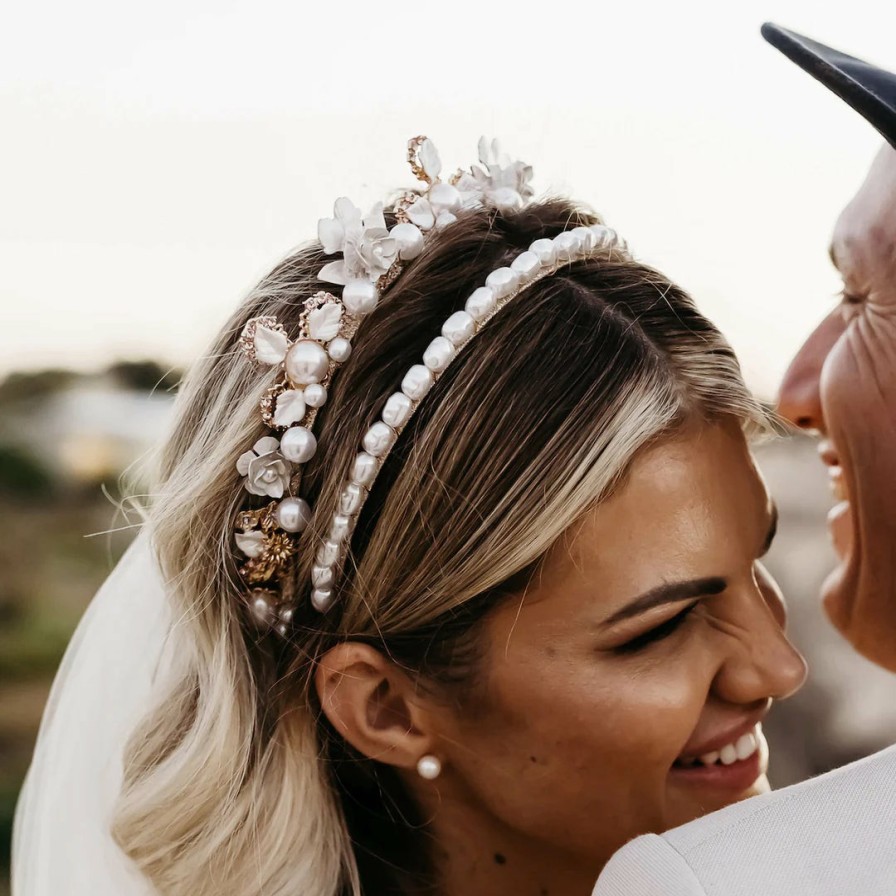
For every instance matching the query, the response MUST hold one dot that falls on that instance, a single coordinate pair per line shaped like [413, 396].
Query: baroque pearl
[603, 235]
[293, 514]
[340, 526]
[360, 297]
[364, 469]
[322, 576]
[306, 362]
[429, 767]
[397, 411]
[350, 499]
[439, 354]
[315, 395]
[298, 444]
[378, 439]
[481, 304]
[587, 239]
[503, 281]
[327, 554]
[409, 238]
[339, 349]
[527, 265]
[458, 328]
[545, 251]
[418, 381]
[322, 599]
[567, 245]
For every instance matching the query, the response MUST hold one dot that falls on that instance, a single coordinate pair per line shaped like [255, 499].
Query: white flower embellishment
[368, 249]
[266, 470]
[503, 184]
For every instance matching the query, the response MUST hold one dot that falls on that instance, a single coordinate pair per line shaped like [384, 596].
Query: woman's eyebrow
[667, 594]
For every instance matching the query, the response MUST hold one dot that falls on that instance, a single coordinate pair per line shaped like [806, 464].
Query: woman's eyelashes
[658, 633]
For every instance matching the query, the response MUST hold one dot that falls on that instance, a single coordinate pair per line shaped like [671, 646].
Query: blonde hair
[235, 784]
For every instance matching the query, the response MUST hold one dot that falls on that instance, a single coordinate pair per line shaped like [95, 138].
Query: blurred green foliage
[23, 474]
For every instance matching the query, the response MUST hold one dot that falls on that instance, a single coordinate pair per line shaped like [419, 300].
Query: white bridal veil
[61, 839]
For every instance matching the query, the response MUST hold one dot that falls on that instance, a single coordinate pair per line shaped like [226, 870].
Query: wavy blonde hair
[235, 783]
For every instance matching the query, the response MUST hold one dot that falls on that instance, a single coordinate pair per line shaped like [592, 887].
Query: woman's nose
[763, 662]
[799, 399]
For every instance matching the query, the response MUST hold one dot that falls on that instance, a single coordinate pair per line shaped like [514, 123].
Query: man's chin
[857, 606]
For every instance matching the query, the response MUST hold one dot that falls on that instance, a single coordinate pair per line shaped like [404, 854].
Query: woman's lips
[736, 777]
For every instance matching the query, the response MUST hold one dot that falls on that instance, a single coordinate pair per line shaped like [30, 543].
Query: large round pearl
[503, 281]
[360, 297]
[418, 381]
[429, 767]
[409, 238]
[293, 514]
[262, 609]
[459, 328]
[378, 439]
[439, 354]
[444, 197]
[481, 304]
[364, 469]
[298, 444]
[321, 599]
[315, 395]
[306, 362]
[397, 411]
[339, 349]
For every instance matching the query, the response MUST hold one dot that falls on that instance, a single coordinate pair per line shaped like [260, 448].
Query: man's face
[842, 385]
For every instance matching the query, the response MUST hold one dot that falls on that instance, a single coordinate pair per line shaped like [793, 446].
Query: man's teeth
[743, 748]
[837, 482]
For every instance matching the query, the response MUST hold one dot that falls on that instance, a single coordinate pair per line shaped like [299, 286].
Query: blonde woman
[459, 579]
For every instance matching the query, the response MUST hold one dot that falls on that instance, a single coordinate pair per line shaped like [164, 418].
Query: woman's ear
[372, 703]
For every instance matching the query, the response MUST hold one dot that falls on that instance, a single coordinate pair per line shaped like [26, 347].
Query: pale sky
[157, 159]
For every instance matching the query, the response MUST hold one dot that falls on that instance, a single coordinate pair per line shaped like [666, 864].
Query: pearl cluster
[543, 258]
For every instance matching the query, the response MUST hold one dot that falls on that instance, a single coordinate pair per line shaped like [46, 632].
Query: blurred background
[157, 160]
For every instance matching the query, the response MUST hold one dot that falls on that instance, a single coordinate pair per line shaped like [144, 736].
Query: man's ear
[372, 703]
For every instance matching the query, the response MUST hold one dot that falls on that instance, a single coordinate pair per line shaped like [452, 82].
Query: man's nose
[799, 399]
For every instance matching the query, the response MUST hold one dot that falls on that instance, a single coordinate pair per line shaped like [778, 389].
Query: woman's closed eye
[657, 633]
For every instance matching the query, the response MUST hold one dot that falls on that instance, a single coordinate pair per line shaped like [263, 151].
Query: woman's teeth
[743, 748]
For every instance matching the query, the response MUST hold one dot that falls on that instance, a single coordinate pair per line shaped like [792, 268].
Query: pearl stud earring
[429, 767]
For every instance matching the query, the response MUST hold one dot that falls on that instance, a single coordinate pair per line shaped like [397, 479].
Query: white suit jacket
[834, 835]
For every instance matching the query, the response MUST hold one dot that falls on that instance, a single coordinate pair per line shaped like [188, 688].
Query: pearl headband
[372, 258]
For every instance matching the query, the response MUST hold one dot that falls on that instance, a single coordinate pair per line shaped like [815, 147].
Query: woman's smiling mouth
[732, 766]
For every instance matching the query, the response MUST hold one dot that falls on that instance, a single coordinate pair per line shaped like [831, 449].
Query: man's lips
[839, 517]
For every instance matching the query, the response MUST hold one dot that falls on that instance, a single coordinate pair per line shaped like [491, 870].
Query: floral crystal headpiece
[372, 258]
